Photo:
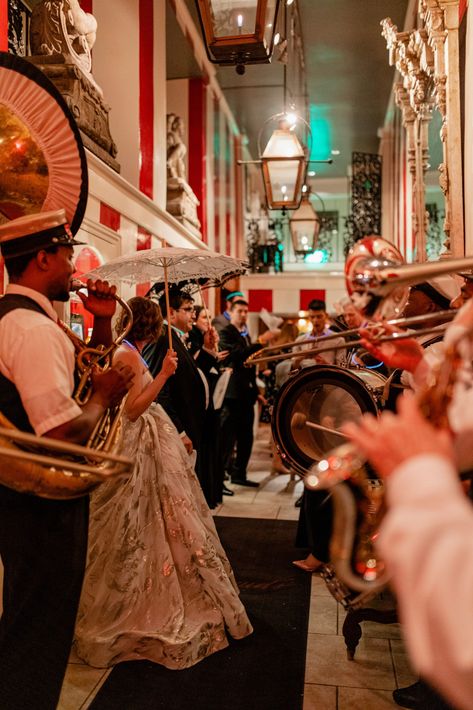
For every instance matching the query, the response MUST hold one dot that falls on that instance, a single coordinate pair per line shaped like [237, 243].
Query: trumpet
[50, 468]
[321, 346]
[358, 497]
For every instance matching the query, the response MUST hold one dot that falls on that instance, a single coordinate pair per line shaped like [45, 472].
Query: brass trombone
[320, 344]
[379, 285]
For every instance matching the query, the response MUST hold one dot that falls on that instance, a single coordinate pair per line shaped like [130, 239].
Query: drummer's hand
[268, 336]
[100, 299]
[392, 439]
[405, 354]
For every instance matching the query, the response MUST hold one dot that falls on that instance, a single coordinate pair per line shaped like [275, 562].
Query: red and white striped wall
[291, 292]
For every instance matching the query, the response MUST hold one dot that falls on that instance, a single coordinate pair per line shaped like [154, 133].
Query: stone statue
[176, 150]
[181, 200]
[61, 37]
[63, 28]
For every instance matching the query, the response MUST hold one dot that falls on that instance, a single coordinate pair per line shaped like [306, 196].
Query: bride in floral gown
[158, 585]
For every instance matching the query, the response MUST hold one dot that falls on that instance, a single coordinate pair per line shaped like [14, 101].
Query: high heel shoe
[307, 567]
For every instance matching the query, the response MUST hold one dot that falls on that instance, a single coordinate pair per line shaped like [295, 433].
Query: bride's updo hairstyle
[147, 320]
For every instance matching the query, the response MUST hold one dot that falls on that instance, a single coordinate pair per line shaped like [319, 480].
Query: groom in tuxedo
[185, 396]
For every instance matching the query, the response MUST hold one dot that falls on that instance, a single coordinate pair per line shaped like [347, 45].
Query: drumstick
[299, 421]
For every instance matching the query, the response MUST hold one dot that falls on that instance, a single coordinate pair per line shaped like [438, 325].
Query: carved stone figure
[63, 28]
[61, 37]
[181, 200]
[176, 150]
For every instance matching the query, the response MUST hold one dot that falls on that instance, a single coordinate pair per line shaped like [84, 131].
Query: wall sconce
[238, 32]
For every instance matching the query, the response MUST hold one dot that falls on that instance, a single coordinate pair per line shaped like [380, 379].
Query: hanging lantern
[284, 168]
[238, 32]
[305, 227]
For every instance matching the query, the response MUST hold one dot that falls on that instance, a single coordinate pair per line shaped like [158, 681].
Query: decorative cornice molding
[421, 57]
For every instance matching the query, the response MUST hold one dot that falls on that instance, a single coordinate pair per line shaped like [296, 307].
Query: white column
[116, 70]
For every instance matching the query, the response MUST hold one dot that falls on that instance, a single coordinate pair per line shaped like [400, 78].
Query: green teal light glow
[319, 256]
[321, 132]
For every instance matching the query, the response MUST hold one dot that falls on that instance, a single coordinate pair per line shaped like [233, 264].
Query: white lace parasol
[208, 268]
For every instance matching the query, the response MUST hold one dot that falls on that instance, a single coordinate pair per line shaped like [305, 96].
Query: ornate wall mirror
[434, 197]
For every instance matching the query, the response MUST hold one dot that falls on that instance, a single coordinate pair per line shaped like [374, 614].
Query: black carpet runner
[264, 671]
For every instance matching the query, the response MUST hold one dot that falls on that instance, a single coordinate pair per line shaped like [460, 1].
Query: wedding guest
[186, 396]
[237, 416]
[158, 584]
[221, 321]
[212, 480]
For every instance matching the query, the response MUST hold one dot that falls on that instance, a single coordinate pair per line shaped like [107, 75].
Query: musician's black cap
[30, 234]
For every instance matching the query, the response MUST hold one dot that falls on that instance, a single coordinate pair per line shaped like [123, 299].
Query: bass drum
[326, 395]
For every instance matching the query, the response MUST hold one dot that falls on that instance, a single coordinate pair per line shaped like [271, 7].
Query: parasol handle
[166, 293]
[207, 314]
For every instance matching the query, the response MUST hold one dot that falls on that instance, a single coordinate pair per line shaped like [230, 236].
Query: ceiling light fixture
[304, 226]
[284, 161]
[239, 32]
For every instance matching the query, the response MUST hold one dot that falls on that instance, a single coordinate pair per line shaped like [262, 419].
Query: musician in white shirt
[426, 537]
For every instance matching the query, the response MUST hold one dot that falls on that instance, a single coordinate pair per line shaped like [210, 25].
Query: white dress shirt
[426, 540]
[38, 357]
[309, 340]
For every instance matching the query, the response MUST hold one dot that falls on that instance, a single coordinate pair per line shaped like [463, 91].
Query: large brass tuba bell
[52, 175]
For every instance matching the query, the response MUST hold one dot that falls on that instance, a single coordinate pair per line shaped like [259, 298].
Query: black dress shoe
[245, 482]
[227, 492]
[410, 697]
[419, 696]
[298, 503]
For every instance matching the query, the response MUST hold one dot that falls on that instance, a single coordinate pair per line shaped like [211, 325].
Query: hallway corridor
[331, 681]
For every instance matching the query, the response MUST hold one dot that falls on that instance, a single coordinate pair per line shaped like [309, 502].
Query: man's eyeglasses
[188, 309]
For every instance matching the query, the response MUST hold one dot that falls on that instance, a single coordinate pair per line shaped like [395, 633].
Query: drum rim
[348, 375]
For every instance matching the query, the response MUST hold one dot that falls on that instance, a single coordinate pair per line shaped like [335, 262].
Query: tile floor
[331, 681]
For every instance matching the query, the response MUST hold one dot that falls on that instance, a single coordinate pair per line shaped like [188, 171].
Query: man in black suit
[221, 321]
[237, 414]
[185, 396]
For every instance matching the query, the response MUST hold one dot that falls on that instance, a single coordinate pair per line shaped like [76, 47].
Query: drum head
[324, 395]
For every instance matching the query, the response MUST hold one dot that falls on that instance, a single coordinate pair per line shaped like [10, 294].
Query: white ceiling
[348, 77]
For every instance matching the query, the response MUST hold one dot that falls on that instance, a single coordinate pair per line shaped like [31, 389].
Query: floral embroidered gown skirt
[158, 585]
